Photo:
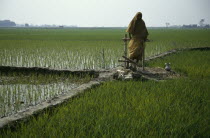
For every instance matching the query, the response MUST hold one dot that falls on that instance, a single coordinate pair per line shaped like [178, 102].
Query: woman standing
[138, 34]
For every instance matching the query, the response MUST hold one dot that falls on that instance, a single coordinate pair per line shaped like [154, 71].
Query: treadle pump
[126, 59]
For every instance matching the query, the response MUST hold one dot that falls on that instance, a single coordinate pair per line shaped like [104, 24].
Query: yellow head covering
[132, 24]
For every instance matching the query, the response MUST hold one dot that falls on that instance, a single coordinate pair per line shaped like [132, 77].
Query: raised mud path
[28, 70]
[175, 51]
[98, 78]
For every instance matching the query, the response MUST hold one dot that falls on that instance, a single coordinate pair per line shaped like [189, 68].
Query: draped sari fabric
[138, 30]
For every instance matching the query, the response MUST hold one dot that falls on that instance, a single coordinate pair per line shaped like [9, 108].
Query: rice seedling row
[19, 91]
[18, 97]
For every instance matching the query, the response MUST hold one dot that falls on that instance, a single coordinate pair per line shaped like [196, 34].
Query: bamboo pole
[143, 58]
[125, 39]
[103, 59]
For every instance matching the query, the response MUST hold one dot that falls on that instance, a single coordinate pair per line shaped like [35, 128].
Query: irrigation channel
[19, 101]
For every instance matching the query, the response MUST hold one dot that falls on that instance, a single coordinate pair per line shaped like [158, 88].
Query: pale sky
[109, 13]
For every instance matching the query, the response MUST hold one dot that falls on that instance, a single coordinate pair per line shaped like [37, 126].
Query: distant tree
[26, 25]
[201, 23]
[207, 26]
[7, 23]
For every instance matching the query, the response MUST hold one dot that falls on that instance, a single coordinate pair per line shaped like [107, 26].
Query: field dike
[99, 77]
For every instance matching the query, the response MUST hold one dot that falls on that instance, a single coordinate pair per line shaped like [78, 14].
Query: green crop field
[82, 48]
[177, 108]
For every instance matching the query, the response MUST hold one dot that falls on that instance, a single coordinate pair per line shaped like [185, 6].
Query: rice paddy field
[83, 48]
[177, 108]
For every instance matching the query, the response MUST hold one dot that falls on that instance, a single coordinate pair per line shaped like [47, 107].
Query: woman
[138, 34]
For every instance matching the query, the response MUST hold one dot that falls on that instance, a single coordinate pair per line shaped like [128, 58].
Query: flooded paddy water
[19, 90]
[17, 97]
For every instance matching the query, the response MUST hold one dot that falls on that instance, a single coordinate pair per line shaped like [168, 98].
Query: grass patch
[194, 64]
